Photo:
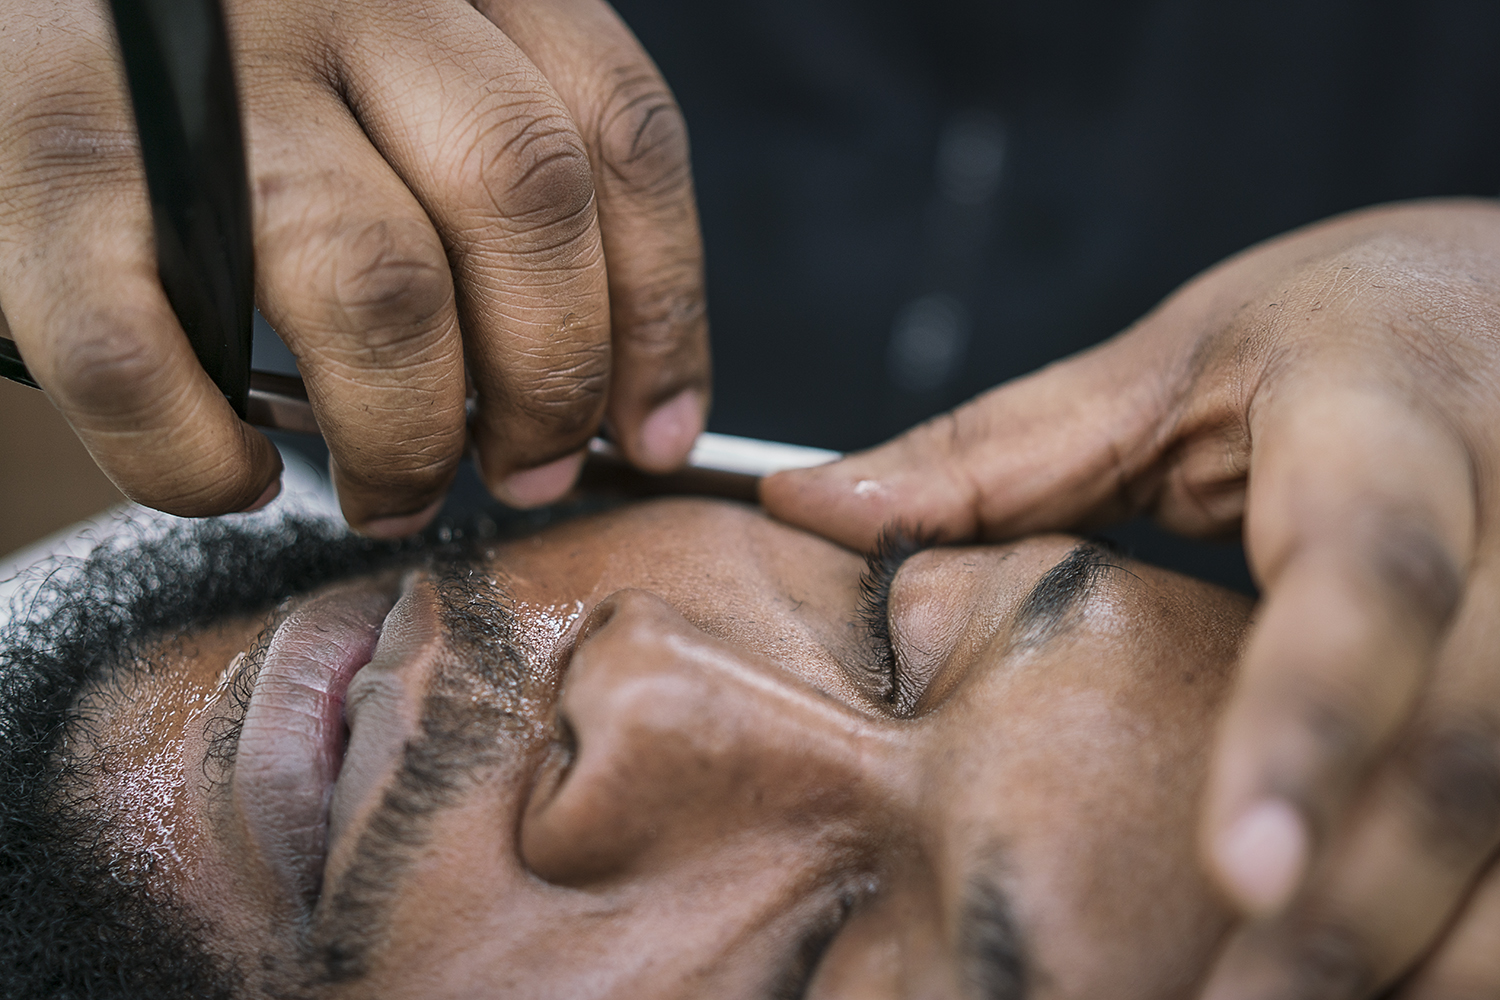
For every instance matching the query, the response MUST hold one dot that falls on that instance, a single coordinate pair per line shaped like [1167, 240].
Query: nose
[681, 743]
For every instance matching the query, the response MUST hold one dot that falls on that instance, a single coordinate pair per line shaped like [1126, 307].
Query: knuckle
[567, 397]
[1327, 959]
[958, 432]
[1336, 718]
[1453, 772]
[418, 467]
[659, 320]
[643, 137]
[107, 363]
[69, 120]
[53, 140]
[542, 183]
[1326, 725]
[1412, 564]
[391, 282]
[57, 158]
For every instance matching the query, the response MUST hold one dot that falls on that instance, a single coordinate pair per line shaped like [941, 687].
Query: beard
[488, 706]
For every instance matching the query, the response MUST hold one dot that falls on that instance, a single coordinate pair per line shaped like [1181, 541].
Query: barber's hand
[1338, 391]
[440, 192]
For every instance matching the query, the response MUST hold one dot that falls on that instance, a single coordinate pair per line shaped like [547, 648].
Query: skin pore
[662, 752]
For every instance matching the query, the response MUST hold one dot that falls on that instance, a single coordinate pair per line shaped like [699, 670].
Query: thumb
[1074, 443]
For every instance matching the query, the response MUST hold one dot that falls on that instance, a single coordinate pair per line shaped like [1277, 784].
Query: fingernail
[270, 493]
[401, 525]
[542, 485]
[668, 432]
[1263, 854]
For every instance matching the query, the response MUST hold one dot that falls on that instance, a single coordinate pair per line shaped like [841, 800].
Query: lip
[383, 710]
[291, 747]
[339, 698]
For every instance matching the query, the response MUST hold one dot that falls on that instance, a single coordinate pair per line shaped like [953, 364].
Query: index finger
[1360, 526]
[79, 284]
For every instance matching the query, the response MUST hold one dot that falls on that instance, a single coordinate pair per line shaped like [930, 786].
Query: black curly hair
[77, 919]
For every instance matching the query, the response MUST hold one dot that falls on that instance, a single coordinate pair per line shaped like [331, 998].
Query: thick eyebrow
[1047, 610]
[992, 951]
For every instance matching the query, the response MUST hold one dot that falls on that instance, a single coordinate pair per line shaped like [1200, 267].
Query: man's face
[673, 751]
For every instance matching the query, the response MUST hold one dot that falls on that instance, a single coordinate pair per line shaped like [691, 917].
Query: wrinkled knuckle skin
[105, 365]
[643, 138]
[662, 319]
[1326, 961]
[1453, 772]
[566, 400]
[947, 432]
[411, 472]
[54, 145]
[961, 432]
[546, 187]
[390, 283]
[1338, 726]
[1412, 564]
[1333, 721]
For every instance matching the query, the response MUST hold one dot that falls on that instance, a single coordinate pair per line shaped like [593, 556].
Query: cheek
[450, 913]
[147, 792]
[152, 757]
[1097, 831]
[1128, 907]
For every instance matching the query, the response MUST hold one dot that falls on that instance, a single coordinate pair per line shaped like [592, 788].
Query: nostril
[549, 779]
[598, 617]
[669, 739]
[566, 736]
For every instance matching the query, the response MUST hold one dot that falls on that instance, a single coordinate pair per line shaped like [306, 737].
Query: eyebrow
[993, 953]
[1048, 609]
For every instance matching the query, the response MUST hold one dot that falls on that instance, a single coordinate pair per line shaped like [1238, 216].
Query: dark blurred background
[906, 202]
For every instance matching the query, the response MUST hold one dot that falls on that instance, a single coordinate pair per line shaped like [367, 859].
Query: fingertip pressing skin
[838, 501]
[1261, 856]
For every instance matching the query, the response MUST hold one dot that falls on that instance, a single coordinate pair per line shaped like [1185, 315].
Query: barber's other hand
[440, 192]
[1337, 390]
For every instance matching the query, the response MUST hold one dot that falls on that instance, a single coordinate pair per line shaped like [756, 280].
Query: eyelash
[895, 546]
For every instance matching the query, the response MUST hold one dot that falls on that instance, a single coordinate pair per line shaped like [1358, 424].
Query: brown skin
[497, 191]
[1334, 393]
[726, 777]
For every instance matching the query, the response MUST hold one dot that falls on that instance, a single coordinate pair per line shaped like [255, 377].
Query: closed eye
[797, 977]
[882, 667]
